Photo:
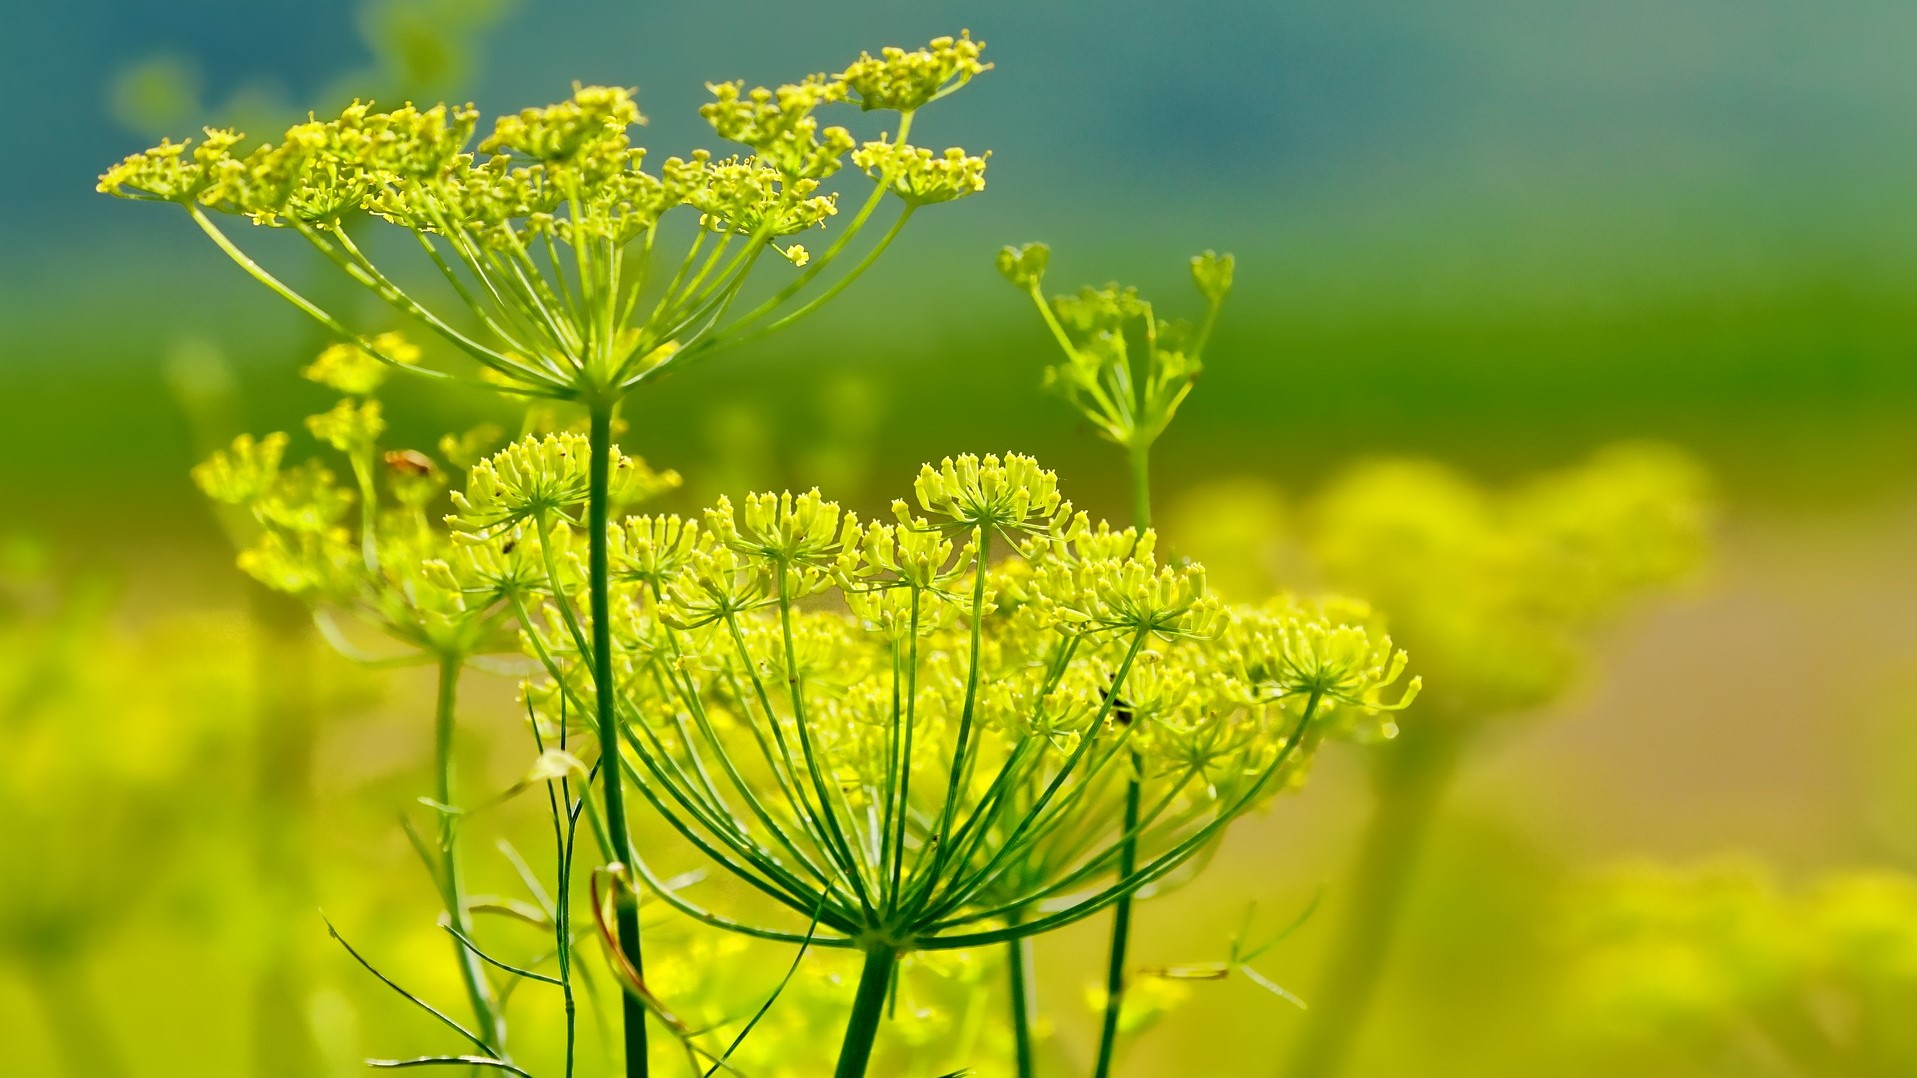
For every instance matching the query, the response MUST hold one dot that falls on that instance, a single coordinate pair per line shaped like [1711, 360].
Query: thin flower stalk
[1130, 400]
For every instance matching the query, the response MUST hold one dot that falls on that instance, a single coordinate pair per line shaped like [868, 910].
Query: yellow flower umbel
[548, 229]
[912, 747]
[1498, 591]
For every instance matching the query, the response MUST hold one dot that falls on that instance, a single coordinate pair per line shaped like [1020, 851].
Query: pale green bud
[1211, 272]
[1024, 266]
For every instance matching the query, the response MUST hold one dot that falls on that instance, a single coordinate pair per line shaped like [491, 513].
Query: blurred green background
[1499, 234]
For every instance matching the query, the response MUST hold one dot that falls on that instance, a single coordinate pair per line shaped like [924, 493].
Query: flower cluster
[919, 176]
[1496, 591]
[877, 724]
[905, 81]
[537, 225]
[1126, 370]
[373, 546]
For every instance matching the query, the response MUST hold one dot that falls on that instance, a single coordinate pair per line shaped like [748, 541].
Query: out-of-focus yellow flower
[1497, 590]
[1712, 956]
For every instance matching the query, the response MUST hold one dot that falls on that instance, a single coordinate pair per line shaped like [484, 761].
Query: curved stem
[279, 288]
[479, 991]
[845, 237]
[868, 1009]
[837, 286]
[1415, 774]
[626, 910]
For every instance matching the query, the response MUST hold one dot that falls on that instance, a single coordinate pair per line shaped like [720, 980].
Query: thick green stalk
[479, 991]
[1018, 957]
[1140, 460]
[77, 1024]
[1415, 772]
[868, 1010]
[626, 908]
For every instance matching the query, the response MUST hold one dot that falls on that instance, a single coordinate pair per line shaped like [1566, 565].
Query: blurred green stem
[81, 1034]
[1413, 775]
[1141, 471]
[285, 724]
[479, 992]
[626, 910]
[1140, 460]
[285, 727]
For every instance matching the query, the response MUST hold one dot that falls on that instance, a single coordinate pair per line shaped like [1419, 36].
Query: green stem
[626, 909]
[1140, 460]
[1141, 486]
[868, 1009]
[479, 992]
[1414, 776]
[1121, 930]
[75, 1021]
[1018, 958]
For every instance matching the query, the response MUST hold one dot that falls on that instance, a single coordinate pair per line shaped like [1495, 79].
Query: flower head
[779, 125]
[905, 81]
[352, 370]
[352, 427]
[546, 478]
[172, 171]
[493, 221]
[244, 472]
[783, 528]
[936, 735]
[1009, 494]
[1314, 656]
[1125, 369]
[1024, 266]
[919, 176]
[588, 130]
